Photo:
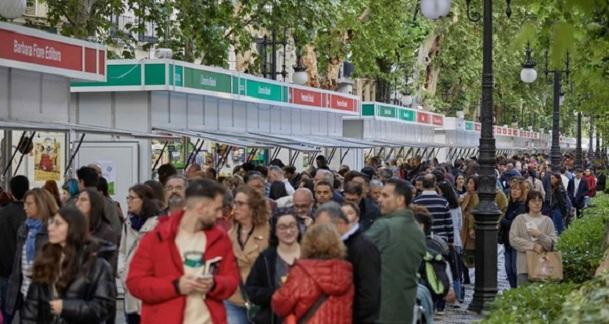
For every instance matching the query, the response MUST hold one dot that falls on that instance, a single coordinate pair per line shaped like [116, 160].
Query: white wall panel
[177, 111]
[131, 111]
[225, 114]
[195, 111]
[252, 117]
[264, 118]
[159, 101]
[211, 113]
[240, 116]
[4, 90]
[95, 109]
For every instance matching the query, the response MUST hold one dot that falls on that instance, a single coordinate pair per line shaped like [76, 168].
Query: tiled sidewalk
[461, 315]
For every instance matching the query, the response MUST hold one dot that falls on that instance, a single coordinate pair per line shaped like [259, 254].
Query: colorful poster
[109, 172]
[47, 158]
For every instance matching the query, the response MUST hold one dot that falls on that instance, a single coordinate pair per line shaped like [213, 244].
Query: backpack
[434, 267]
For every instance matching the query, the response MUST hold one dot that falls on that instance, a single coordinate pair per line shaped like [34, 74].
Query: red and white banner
[423, 117]
[342, 103]
[306, 97]
[437, 120]
[39, 51]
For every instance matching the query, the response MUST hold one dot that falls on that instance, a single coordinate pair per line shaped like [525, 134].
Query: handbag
[545, 266]
[252, 309]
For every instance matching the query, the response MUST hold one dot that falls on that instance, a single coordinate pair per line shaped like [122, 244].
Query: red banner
[342, 103]
[306, 97]
[37, 51]
[423, 118]
[477, 127]
[437, 120]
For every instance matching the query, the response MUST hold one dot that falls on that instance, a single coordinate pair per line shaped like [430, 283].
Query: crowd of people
[390, 243]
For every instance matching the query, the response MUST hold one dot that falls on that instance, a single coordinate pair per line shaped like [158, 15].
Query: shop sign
[306, 97]
[423, 117]
[437, 120]
[34, 50]
[207, 80]
[386, 111]
[477, 127]
[342, 103]
[263, 90]
[368, 110]
[407, 115]
[469, 125]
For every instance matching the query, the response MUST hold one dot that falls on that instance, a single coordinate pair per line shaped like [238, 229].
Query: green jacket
[402, 246]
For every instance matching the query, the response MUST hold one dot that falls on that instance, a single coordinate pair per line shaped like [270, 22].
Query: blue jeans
[236, 314]
[510, 254]
[559, 224]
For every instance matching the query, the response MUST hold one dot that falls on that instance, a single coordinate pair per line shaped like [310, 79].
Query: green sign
[176, 74]
[207, 80]
[385, 111]
[407, 115]
[118, 75]
[154, 74]
[367, 110]
[239, 86]
[469, 125]
[264, 90]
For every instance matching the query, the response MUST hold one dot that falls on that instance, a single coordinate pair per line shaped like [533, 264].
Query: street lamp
[578, 147]
[434, 9]
[555, 155]
[486, 213]
[528, 73]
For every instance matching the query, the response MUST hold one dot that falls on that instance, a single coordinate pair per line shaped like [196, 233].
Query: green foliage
[589, 303]
[582, 244]
[82, 19]
[534, 303]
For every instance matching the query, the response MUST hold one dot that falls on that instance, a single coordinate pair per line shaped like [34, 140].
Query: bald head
[429, 182]
[303, 202]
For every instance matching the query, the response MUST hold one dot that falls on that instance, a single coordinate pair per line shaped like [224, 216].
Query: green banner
[207, 80]
[407, 115]
[385, 111]
[176, 74]
[368, 110]
[118, 75]
[264, 90]
[469, 125]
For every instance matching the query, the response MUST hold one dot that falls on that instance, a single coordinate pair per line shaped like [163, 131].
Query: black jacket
[366, 261]
[13, 293]
[260, 286]
[369, 211]
[90, 298]
[577, 195]
[514, 209]
[11, 218]
[108, 238]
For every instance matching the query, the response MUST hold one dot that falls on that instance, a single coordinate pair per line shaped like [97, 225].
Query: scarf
[136, 221]
[34, 226]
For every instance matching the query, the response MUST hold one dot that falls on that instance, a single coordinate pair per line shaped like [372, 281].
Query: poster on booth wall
[108, 169]
[47, 158]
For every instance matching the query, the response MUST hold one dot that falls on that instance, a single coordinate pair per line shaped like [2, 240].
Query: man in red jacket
[184, 269]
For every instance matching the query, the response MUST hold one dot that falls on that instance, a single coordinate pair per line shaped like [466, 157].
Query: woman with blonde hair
[39, 207]
[319, 287]
[249, 236]
[516, 206]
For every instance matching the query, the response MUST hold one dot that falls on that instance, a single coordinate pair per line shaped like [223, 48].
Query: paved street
[461, 315]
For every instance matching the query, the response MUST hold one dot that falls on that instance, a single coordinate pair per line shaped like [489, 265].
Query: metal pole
[486, 213]
[578, 148]
[69, 165]
[274, 58]
[597, 153]
[555, 150]
[591, 140]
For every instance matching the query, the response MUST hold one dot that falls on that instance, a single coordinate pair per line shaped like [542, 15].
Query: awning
[265, 139]
[64, 127]
[218, 138]
[316, 141]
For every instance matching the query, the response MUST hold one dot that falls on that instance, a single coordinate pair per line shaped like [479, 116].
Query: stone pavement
[461, 315]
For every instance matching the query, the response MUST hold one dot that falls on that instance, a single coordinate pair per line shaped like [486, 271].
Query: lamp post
[578, 148]
[591, 139]
[559, 98]
[487, 213]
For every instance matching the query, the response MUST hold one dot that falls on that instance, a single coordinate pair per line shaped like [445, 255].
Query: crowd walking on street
[393, 242]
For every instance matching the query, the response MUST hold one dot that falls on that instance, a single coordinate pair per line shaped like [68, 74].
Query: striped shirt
[441, 219]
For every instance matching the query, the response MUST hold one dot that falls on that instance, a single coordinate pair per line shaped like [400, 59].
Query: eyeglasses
[288, 227]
